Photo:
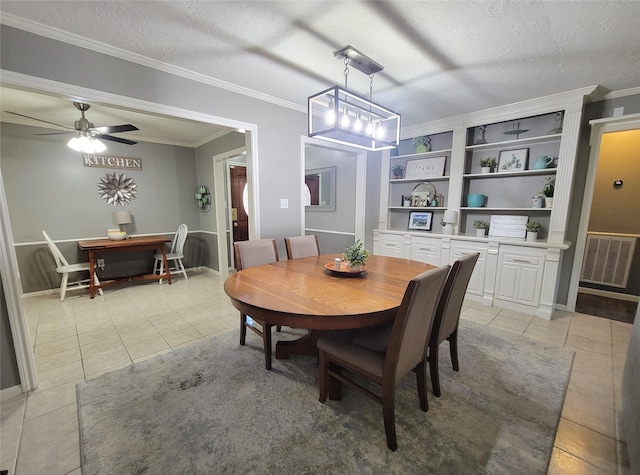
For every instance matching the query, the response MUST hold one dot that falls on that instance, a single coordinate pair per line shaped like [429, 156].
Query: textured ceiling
[441, 58]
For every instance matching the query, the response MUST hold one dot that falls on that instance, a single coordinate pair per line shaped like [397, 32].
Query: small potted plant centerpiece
[398, 171]
[481, 227]
[532, 230]
[547, 191]
[422, 144]
[356, 256]
[487, 164]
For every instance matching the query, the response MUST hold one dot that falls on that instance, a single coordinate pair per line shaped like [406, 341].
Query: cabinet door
[459, 249]
[426, 250]
[392, 245]
[520, 277]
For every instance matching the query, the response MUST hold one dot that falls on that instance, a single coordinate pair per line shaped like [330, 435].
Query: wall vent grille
[607, 260]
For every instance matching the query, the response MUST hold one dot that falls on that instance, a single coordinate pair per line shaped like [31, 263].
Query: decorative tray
[344, 269]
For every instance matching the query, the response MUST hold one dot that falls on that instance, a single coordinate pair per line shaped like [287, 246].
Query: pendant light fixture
[340, 116]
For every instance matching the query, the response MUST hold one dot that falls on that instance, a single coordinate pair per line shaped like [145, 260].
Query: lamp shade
[450, 216]
[123, 217]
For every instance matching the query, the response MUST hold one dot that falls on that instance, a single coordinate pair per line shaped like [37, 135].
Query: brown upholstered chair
[445, 326]
[302, 246]
[250, 254]
[406, 351]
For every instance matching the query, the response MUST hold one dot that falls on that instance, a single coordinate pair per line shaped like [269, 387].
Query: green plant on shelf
[356, 254]
[488, 162]
[480, 224]
[549, 186]
[533, 226]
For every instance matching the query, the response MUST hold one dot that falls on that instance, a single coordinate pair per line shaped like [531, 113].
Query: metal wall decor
[203, 198]
[117, 189]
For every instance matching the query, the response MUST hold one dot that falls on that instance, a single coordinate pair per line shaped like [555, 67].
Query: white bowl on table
[116, 234]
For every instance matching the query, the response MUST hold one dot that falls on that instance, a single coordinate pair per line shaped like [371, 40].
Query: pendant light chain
[370, 86]
[346, 70]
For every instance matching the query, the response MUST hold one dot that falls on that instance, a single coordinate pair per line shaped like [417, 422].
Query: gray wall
[595, 110]
[630, 414]
[278, 151]
[9, 376]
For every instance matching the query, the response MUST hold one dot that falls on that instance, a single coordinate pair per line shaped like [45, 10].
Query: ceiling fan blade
[114, 129]
[40, 120]
[116, 139]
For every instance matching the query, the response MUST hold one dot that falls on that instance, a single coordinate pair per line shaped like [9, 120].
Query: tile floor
[81, 338]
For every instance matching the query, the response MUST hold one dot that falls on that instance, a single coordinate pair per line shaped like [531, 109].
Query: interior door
[239, 217]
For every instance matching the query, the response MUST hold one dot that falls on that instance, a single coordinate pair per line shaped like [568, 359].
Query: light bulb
[331, 114]
[75, 144]
[345, 120]
[369, 129]
[380, 132]
[357, 126]
[98, 146]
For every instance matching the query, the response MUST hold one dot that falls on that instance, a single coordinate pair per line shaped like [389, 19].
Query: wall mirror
[320, 189]
[422, 194]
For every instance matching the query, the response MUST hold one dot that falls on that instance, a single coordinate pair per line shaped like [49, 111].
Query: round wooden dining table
[304, 293]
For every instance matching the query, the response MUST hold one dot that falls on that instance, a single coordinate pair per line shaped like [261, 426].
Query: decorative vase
[532, 235]
[421, 148]
[485, 169]
[548, 202]
[480, 232]
[355, 267]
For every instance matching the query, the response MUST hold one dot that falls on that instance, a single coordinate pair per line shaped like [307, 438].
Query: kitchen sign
[106, 161]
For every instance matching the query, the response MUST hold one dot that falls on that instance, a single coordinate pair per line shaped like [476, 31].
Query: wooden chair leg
[434, 369]
[324, 376]
[278, 328]
[266, 339]
[453, 348]
[243, 328]
[388, 414]
[63, 286]
[421, 377]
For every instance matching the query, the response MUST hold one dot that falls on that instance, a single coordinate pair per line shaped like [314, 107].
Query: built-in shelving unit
[511, 272]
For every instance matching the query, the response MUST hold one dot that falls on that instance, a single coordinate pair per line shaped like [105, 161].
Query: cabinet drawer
[426, 250]
[392, 245]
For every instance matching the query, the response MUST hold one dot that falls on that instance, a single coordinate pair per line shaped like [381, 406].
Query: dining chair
[302, 246]
[175, 255]
[63, 267]
[250, 254]
[406, 351]
[445, 326]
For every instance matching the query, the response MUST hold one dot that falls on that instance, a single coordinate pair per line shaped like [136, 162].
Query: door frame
[599, 127]
[228, 164]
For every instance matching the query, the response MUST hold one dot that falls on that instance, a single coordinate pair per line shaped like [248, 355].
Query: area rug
[213, 408]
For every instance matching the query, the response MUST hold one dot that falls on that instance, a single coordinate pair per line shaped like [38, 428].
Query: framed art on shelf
[425, 168]
[421, 220]
[514, 160]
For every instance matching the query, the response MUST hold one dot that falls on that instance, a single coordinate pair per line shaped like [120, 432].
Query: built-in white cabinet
[519, 277]
[532, 142]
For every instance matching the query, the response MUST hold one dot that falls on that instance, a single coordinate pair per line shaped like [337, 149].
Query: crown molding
[82, 42]
[622, 93]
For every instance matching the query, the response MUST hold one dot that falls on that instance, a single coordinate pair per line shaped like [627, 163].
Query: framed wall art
[421, 220]
[513, 160]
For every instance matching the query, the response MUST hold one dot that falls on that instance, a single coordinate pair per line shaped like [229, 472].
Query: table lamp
[449, 219]
[123, 218]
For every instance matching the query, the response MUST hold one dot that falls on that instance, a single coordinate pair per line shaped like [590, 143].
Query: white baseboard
[611, 295]
[8, 393]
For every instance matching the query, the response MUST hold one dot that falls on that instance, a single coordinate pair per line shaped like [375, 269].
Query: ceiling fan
[83, 127]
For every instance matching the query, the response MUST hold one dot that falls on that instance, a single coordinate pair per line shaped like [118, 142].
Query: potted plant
[356, 256]
[547, 191]
[487, 164]
[481, 227]
[398, 171]
[422, 144]
[532, 228]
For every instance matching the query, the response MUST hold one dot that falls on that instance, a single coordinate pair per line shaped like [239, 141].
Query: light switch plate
[284, 203]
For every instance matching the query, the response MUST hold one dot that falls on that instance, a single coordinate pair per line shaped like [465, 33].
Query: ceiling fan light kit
[340, 116]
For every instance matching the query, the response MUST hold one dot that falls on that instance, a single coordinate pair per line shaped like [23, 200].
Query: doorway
[238, 190]
[605, 278]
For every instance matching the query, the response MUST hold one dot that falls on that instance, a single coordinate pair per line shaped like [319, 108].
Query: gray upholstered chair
[302, 246]
[250, 254]
[406, 351]
[445, 326]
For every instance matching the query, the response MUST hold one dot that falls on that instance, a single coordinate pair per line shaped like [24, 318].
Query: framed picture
[421, 220]
[425, 168]
[513, 160]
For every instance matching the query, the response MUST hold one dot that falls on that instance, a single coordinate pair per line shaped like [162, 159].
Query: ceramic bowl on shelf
[475, 200]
